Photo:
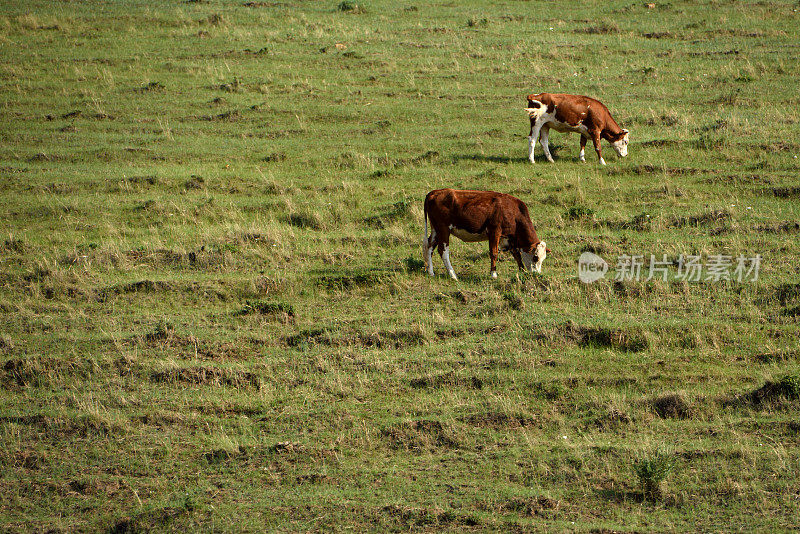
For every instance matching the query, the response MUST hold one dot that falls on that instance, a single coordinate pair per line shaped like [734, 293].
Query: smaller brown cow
[472, 216]
[573, 113]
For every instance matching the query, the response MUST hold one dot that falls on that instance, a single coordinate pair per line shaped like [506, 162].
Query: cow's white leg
[532, 140]
[447, 264]
[602, 161]
[494, 274]
[429, 252]
[582, 155]
[544, 139]
[531, 144]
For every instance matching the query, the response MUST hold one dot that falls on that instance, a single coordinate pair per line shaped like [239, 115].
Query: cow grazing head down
[573, 113]
[621, 144]
[472, 216]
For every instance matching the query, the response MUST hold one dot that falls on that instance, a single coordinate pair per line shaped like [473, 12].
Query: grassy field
[213, 310]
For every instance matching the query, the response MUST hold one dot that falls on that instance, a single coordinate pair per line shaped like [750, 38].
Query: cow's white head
[532, 261]
[621, 144]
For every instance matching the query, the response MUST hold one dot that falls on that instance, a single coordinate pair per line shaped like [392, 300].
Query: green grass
[213, 311]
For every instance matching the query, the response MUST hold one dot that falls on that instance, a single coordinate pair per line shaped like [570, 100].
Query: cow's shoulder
[508, 208]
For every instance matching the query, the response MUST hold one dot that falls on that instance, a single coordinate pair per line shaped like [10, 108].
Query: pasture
[214, 314]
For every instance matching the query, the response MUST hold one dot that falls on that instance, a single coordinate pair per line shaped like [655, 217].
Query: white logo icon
[591, 267]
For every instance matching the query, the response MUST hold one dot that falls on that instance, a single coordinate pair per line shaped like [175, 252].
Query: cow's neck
[611, 131]
[526, 235]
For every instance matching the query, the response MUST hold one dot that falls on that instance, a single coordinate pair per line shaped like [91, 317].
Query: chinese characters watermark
[687, 267]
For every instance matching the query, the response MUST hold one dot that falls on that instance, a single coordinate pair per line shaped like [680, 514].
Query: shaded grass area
[215, 316]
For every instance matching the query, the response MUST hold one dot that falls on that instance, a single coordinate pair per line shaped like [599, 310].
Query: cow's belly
[566, 127]
[469, 237]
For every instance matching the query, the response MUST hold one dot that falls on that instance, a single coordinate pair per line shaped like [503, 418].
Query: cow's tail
[535, 109]
[425, 235]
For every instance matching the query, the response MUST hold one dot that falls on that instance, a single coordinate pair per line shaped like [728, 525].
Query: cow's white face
[532, 261]
[621, 145]
[539, 254]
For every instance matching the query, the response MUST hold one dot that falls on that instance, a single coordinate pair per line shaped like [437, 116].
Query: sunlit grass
[214, 310]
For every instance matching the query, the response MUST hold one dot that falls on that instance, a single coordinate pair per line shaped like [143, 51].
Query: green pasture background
[213, 310]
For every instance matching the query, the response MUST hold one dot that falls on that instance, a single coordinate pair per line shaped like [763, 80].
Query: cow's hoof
[494, 274]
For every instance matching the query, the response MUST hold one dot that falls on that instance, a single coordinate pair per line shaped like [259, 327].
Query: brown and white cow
[573, 113]
[473, 216]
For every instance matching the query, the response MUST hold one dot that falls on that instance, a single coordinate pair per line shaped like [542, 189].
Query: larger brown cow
[573, 113]
[471, 216]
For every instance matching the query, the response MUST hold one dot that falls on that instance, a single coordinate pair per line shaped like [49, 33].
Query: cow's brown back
[474, 211]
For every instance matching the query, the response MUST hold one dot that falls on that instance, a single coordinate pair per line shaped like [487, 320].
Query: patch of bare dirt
[671, 406]
[499, 420]
[449, 379]
[617, 339]
[422, 434]
[208, 376]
